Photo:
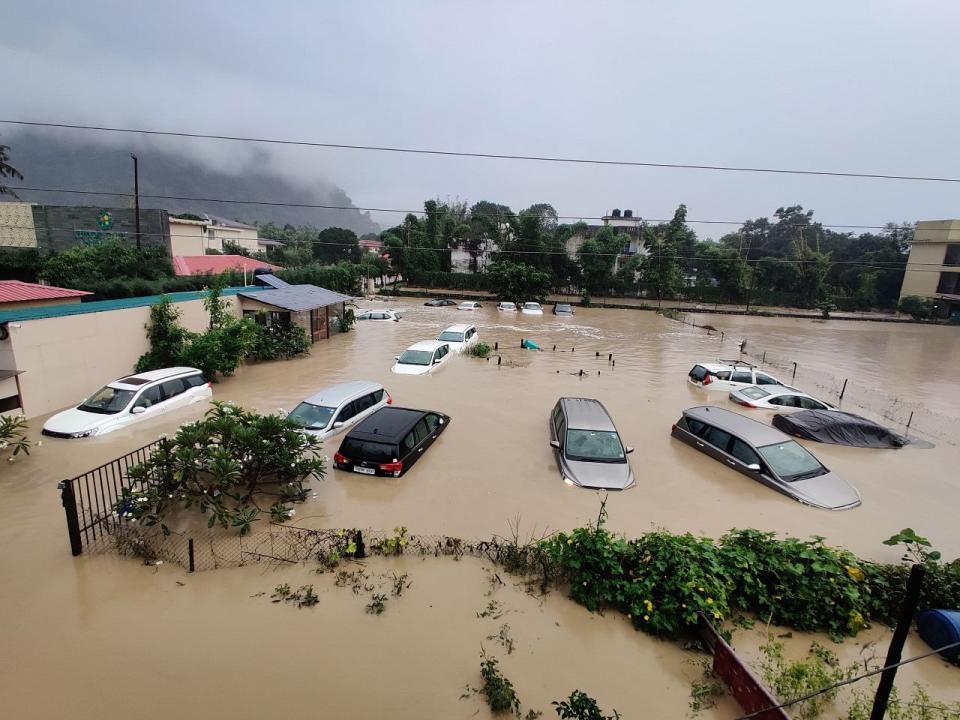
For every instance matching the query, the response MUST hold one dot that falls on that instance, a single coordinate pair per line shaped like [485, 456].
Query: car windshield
[507, 305]
[594, 446]
[531, 306]
[416, 357]
[754, 393]
[791, 461]
[448, 336]
[376, 452]
[312, 416]
[563, 307]
[107, 401]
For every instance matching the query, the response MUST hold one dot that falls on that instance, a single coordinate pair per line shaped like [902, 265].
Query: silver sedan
[587, 445]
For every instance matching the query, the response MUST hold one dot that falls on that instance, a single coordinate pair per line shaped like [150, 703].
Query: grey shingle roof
[297, 298]
[272, 280]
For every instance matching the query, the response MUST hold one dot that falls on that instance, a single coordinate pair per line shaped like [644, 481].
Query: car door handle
[731, 462]
[419, 449]
[699, 444]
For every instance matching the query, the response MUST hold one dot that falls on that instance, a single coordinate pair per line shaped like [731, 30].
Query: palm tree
[7, 171]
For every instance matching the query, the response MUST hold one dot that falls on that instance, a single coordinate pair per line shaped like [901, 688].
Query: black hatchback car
[440, 302]
[390, 441]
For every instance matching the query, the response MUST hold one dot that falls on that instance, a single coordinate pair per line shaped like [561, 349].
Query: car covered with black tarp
[838, 428]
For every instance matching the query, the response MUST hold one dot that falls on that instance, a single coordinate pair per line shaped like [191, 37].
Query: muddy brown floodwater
[103, 636]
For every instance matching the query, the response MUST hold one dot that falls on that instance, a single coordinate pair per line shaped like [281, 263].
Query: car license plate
[364, 471]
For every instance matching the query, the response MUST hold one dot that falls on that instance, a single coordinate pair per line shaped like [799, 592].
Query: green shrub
[347, 320]
[580, 706]
[85, 265]
[219, 350]
[917, 307]
[278, 342]
[13, 431]
[497, 690]
[166, 337]
[480, 350]
[19, 264]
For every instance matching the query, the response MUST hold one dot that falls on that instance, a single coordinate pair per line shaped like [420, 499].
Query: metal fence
[89, 500]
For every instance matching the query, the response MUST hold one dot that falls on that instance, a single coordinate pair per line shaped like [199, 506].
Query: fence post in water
[794, 372]
[361, 551]
[190, 555]
[907, 610]
[910, 420]
[499, 359]
[763, 360]
[844, 388]
[610, 357]
[496, 345]
[581, 372]
[69, 500]
[554, 348]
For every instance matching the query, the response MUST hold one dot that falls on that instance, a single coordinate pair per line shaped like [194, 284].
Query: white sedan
[469, 305]
[777, 397]
[532, 308]
[459, 337]
[507, 307]
[379, 315]
[421, 358]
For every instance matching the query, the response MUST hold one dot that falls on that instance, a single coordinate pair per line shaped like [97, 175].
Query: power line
[486, 155]
[427, 212]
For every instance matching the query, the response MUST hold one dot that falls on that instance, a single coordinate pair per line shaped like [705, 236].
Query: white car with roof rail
[129, 400]
[336, 408]
[422, 358]
[729, 375]
[459, 337]
[531, 308]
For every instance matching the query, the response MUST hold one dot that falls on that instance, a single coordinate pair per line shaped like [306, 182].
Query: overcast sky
[865, 86]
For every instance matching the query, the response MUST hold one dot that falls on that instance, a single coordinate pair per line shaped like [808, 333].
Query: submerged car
[587, 446]
[459, 337]
[728, 375]
[130, 400]
[469, 305]
[563, 309]
[532, 308]
[764, 454]
[337, 407]
[440, 302]
[421, 358]
[379, 315]
[838, 428]
[390, 441]
[507, 307]
[777, 397]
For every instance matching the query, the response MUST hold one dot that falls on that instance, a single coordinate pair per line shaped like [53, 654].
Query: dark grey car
[587, 445]
[766, 455]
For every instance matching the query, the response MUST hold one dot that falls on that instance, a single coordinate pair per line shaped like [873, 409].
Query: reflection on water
[493, 464]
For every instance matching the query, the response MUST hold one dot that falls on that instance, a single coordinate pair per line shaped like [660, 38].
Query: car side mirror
[396, 357]
[337, 424]
[628, 450]
[139, 409]
[555, 444]
[436, 360]
[754, 467]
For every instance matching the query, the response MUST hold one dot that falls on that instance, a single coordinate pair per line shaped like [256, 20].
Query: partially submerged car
[507, 307]
[838, 428]
[337, 407]
[421, 358]
[440, 302]
[469, 305]
[728, 375]
[459, 337]
[764, 454]
[390, 441]
[778, 398]
[379, 315]
[532, 308]
[587, 446]
[130, 400]
[563, 309]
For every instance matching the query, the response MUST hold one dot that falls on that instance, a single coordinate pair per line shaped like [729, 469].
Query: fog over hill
[182, 169]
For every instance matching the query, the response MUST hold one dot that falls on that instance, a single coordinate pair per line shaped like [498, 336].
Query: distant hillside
[59, 162]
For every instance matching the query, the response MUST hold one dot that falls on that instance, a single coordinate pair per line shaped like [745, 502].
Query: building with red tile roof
[216, 264]
[16, 294]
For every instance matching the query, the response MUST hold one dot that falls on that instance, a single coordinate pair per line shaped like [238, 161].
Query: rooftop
[216, 264]
[587, 414]
[387, 424]
[17, 291]
[296, 298]
[336, 394]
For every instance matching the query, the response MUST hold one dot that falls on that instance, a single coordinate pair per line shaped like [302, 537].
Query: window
[192, 381]
[363, 403]
[10, 403]
[416, 357]
[557, 420]
[721, 375]
[448, 336]
[695, 426]
[433, 422]
[376, 452]
[777, 401]
[409, 443]
[698, 373]
[149, 397]
[789, 401]
[310, 416]
[952, 256]
[754, 393]
[377, 396]
[172, 388]
[421, 431]
[765, 380]
[949, 283]
[594, 446]
[791, 461]
[744, 453]
[811, 404]
[349, 410]
[562, 431]
[742, 376]
[720, 439]
[107, 401]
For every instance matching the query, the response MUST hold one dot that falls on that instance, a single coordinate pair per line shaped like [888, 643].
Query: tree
[334, 244]
[661, 270]
[7, 171]
[722, 266]
[518, 282]
[917, 307]
[548, 216]
[598, 256]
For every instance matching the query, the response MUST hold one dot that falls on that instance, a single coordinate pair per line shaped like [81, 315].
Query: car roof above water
[586, 414]
[458, 328]
[138, 380]
[336, 394]
[388, 424]
[746, 428]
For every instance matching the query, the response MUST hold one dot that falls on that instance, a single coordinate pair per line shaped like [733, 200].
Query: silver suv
[587, 445]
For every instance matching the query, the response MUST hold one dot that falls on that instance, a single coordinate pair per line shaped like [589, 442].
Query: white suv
[728, 375]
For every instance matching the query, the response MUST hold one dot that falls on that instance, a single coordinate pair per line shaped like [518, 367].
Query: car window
[744, 453]
[742, 376]
[362, 403]
[791, 461]
[720, 439]
[779, 400]
[765, 379]
[192, 381]
[149, 397]
[562, 431]
[378, 396]
[346, 413]
[811, 404]
[421, 431]
[695, 426]
[721, 375]
[698, 373]
[409, 443]
[365, 450]
[433, 422]
[754, 393]
[172, 388]
[790, 401]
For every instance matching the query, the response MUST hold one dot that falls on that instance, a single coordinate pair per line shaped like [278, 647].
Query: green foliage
[395, 544]
[580, 706]
[347, 320]
[83, 266]
[277, 342]
[7, 171]
[13, 431]
[303, 596]
[343, 277]
[916, 547]
[166, 337]
[378, 603]
[597, 256]
[452, 281]
[497, 690]
[479, 350]
[917, 307]
[518, 282]
[920, 706]
[220, 350]
[19, 264]
[224, 465]
[789, 680]
[826, 307]
[232, 248]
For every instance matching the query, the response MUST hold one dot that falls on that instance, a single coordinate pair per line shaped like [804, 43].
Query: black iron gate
[89, 500]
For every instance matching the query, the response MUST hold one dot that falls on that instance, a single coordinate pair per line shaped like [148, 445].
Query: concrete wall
[927, 255]
[189, 238]
[59, 227]
[65, 359]
[244, 237]
[38, 303]
[16, 225]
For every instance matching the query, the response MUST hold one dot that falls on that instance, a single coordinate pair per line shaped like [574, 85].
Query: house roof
[370, 243]
[272, 281]
[225, 222]
[216, 264]
[17, 291]
[297, 298]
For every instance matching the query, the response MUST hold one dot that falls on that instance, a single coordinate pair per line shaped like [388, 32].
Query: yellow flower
[700, 589]
[709, 601]
[716, 616]
[649, 605]
[856, 573]
[570, 541]
[646, 617]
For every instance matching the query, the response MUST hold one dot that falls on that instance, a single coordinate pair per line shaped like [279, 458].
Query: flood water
[100, 635]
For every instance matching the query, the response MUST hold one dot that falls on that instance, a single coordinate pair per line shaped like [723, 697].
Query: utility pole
[136, 196]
